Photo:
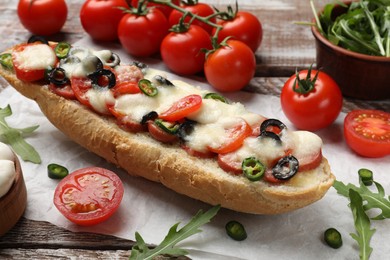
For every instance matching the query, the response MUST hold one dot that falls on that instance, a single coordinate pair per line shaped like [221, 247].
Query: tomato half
[201, 9]
[245, 27]
[313, 109]
[236, 137]
[100, 19]
[182, 108]
[89, 196]
[44, 17]
[141, 35]
[182, 51]
[367, 132]
[230, 67]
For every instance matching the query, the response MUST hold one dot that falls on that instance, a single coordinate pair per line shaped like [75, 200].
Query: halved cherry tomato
[367, 132]
[125, 121]
[236, 137]
[80, 87]
[125, 88]
[89, 196]
[199, 154]
[63, 91]
[21, 59]
[182, 108]
[159, 134]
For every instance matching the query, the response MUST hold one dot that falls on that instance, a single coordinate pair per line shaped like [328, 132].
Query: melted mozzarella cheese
[99, 99]
[306, 144]
[35, 57]
[7, 169]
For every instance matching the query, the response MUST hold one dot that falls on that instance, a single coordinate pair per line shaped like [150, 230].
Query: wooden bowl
[13, 203]
[358, 75]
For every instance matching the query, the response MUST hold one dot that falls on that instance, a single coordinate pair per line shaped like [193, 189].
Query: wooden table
[285, 47]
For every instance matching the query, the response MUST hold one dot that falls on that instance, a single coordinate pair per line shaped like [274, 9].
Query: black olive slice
[92, 64]
[285, 168]
[103, 78]
[271, 122]
[113, 61]
[140, 65]
[149, 116]
[58, 77]
[36, 38]
[186, 128]
[163, 81]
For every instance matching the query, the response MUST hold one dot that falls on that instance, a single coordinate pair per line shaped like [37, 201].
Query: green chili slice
[333, 238]
[147, 87]
[253, 169]
[56, 171]
[216, 96]
[6, 60]
[366, 176]
[236, 230]
[62, 49]
[169, 127]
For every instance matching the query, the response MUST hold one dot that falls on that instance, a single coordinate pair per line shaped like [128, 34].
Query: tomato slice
[200, 154]
[63, 91]
[182, 108]
[125, 88]
[367, 132]
[80, 87]
[230, 163]
[89, 195]
[159, 134]
[236, 137]
[21, 60]
[125, 122]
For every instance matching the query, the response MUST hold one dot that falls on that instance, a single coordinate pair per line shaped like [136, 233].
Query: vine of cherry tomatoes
[191, 37]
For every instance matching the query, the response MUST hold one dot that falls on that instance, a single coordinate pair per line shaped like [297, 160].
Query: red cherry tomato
[100, 19]
[65, 91]
[159, 134]
[44, 17]
[141, 35]
[236, 136]
[231, 67]
[182, 51]
[89, 196]
[25, 68]
[182, 108]
[244, 27]
[313, 109]
[367, 132]
[166, 10]
[200, 9]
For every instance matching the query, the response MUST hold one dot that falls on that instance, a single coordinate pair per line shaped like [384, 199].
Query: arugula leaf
[373, 200]
[14, 137]
[362, 225]
[140, 250]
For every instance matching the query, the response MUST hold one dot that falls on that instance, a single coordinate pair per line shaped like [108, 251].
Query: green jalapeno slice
[366, 176]
[253, 169]
[169, 127]
[62, 50]
[6, 60]
[333, 238]
[216, 96]
[147, 87]
[236, 230]
[56, 171]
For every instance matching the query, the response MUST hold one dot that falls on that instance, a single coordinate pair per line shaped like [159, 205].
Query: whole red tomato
[230, 67]
[141, 34]
[367, 132]
[312, 102]
[242, 26]
[182, 51]
[194, 7]
[42, 17]
[100, 18]
[166, 10]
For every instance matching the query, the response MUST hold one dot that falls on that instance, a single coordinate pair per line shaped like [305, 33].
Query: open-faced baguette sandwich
[194, 142]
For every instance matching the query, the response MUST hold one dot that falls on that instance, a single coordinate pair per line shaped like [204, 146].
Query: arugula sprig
[362, 199]
[14, 137]
[141, 251]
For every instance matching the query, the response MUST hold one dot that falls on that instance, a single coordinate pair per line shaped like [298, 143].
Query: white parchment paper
[152, 209]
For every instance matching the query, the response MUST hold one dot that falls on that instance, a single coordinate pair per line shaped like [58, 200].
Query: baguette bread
[141, 155]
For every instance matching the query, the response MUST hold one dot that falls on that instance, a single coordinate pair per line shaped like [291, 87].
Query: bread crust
[141, 155]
